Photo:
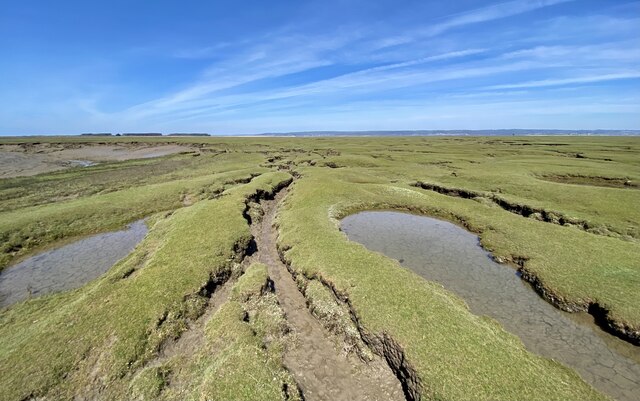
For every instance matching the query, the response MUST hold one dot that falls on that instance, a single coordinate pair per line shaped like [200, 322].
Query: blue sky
[254, 66]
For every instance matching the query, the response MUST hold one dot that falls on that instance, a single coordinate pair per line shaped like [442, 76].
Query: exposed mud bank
[381, 344]
[174, 323]
[589, 180]
[217, 192]
[364, 341]
[257, 301]
[528, 211]
[180, 330]
[25, 159]
[260, 195]
[69, 266]
[320, 356]
[599, 312]
[445, 253]
[242, 251]
[334, 314]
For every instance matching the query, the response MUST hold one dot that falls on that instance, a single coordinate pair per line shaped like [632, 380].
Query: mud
[320, 369]
[445, 253]
[601, 315]
[192, 339]
[32, 159]
[595, 181]
[524, 210]
[380, 343]
[68, 267]
[313, 356]
[217, 292]
[617, 328]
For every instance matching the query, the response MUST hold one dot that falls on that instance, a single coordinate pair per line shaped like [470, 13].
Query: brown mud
[600, 314]
[524, 210]
[69, 266]
[36, 158]
[594, 181]
[314, 356]
[320, 369]
[445, 253]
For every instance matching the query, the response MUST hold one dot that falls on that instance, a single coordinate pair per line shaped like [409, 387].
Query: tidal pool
[69, 266]
[445, 253]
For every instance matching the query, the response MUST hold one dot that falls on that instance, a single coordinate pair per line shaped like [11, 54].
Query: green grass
[335, 316]
[105, 334]
[102, 333]
[29, 227]
[241, 355]
[79, 182]
[252, 283]
[445, 343]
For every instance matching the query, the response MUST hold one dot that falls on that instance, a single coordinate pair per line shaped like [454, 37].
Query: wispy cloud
[409, 64]
[494, 12]
[201, 96]
[283, 58]
[483, 14]
[423, 60]
[583, 54]
[568, 81]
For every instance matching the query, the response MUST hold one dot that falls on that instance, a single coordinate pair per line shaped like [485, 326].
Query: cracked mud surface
[31, 159]
[69, 266]
[320, 369]
[445, 253]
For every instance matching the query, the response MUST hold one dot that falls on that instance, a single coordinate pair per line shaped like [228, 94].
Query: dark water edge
[69, 266]
[442, 252]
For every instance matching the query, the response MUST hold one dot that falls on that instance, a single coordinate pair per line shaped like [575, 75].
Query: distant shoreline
[399, 133]
[497, 132]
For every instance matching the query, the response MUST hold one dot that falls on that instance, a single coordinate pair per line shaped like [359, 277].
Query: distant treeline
[143, 134]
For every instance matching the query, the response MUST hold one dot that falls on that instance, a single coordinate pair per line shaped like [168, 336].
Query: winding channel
[69, 266]
[445, 253]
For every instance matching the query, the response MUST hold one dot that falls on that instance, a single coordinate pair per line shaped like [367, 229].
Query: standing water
[68, 267]
[445, 253]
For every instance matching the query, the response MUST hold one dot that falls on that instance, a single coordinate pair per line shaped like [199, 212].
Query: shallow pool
[448, 254]
[69, 266]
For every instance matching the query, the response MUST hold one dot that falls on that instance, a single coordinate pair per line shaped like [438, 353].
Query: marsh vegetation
[244, 282]
[447, 254]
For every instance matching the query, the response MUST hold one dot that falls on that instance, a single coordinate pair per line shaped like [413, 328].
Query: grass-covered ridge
[106, 340]
[35, 224]
[240, 357]
[438, 334]
[90, 341]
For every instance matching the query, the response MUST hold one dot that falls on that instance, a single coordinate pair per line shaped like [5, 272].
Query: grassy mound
[91, 340]
[441, 339]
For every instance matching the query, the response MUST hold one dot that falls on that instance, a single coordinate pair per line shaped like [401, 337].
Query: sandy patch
[32, 159]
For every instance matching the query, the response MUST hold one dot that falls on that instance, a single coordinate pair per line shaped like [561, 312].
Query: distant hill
[496, 132]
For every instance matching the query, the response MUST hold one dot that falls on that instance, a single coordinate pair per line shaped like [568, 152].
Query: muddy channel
[69, 266]
[445, 253]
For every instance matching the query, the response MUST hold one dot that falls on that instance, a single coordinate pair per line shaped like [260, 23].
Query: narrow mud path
[193, 338]
[321, 370]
